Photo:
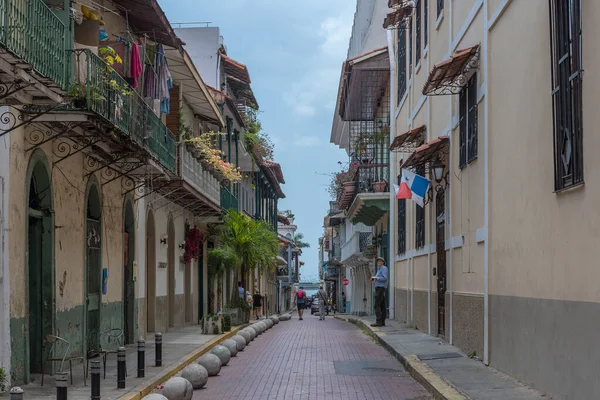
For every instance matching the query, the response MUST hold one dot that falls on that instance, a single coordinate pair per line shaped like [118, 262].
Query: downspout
[486, 192]
[393, 173]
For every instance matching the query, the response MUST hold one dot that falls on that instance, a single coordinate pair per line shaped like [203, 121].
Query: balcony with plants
[34, 34]
[98, 89]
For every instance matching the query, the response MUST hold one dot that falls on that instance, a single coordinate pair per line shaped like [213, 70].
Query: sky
[294, 52]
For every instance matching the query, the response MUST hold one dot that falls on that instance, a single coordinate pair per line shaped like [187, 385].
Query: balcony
[228, 200]
[200, 179]
[371, 197]
[98, 89]
[282, 273]
[32, 33]
[358, 250]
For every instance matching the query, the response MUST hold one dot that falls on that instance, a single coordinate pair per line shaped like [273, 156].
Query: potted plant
[77, 93]
[212, 324]
[379, 187]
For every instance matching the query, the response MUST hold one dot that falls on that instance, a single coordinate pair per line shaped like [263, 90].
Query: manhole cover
[440, 356]
[368, 368]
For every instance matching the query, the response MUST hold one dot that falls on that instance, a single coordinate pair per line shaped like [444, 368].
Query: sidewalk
[441, 368]
[180, 348]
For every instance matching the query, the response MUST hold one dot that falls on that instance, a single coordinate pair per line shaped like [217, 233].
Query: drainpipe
[486, 192]
[393, 174]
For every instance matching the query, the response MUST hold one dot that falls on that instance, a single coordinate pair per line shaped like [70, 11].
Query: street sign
[345, 282]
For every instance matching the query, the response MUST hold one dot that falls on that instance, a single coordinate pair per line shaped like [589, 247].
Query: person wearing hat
[380, 281]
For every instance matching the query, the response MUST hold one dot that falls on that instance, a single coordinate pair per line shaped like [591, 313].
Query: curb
[146, 386]
[439, 387]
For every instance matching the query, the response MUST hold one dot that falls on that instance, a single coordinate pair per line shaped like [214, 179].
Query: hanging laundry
[150, 83]
[135, 65]
[165, 84]
[150, 54]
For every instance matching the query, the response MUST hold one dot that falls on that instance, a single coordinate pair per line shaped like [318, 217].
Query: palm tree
[219, 262]
[298, 237]
[252, 241]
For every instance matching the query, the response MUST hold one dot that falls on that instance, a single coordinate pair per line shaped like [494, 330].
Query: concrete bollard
[121, 367]
[61, 386]
[95, 378]
[141, 359]
[16, 393]
[158, 349]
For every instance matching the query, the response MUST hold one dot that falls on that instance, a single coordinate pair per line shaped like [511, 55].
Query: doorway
[128, 273]
[171, 270]
[40, 229]
[150, 273]
[440, 249]
[187, 295]
[93, 253]
[201, 283]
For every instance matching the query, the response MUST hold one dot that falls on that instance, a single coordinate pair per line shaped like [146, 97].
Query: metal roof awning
[281, 261]
[449, 76]
[195, 92]
[147, 17]
[409, 140]
[428, 152]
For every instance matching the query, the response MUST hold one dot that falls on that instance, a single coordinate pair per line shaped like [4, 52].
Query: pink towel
[136, 65]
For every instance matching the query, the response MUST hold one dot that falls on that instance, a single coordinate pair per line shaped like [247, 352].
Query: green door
[93, 295]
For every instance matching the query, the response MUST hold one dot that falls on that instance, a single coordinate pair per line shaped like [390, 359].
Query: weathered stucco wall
[68, 189]
[4, 250]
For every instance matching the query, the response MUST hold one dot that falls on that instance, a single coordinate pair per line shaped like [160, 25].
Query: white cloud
[336, 31]
[307, 141]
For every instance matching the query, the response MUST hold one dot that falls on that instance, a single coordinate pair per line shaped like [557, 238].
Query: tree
[252, 241]
[298, 240]
[219, 261]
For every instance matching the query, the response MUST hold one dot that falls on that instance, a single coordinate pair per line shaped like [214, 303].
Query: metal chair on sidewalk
[56, 342]
[113, 339]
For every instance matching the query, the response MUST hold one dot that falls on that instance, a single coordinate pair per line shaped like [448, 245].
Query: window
[440, 7]
[401, 223]
[401, 64]
[418, 28]
[426, 21]
[420, 216]
[565, 22]
[468, 122]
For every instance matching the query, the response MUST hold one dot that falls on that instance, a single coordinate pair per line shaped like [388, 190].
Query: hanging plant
[193, 239]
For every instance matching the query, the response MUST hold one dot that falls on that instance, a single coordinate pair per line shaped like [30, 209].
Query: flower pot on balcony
[379, 187]
[225, 182]
[349, 186]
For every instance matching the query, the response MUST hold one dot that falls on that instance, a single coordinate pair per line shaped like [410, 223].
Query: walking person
[300, 301]
[257, 300]
[241, 290]
[380, 281]
[322, 296]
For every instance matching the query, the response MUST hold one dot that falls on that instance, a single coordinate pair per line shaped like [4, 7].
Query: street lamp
[438, 170]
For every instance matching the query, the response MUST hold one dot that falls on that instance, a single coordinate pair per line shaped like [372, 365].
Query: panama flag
[412, 186]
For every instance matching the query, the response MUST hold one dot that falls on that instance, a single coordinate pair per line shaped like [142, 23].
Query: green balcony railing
[98, 88]
[228, 200]
[33, 33]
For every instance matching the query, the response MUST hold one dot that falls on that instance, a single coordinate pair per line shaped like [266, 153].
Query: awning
[427, 152]
[281, 261]
[195, 92]
[238, 79]
[449, 76]
[399, 18]
[283, 219]
[409, 140]
[147, 17]
[336, 219]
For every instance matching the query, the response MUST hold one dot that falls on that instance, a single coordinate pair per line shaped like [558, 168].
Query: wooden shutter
[173, 116]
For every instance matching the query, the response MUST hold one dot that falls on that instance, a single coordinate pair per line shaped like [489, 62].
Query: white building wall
[202, 44]
[4, 275]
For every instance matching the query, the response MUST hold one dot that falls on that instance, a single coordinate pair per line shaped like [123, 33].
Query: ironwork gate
[93, 283]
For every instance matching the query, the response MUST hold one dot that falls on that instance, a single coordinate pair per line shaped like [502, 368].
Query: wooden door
[440, 249]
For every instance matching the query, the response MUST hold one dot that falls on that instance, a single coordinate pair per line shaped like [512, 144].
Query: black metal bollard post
[61, 386]
[158, 349]
[16, 393]
[121, 367]
[141, 358]
[95, 378]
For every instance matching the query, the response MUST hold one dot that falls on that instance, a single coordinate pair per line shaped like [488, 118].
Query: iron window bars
[567, 73]
[468, 123]
[401, 223]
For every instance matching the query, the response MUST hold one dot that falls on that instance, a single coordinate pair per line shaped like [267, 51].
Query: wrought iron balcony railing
[357, 244]
[228, 200]
[101, 90]
[32, 32]
[200, 179]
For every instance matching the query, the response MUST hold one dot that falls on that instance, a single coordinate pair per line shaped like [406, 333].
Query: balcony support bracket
[15, 118]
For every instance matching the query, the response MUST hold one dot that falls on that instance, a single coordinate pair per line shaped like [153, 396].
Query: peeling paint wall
[68, 189]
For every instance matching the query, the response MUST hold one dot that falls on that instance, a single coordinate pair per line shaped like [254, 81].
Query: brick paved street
[296, 360]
